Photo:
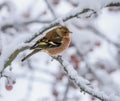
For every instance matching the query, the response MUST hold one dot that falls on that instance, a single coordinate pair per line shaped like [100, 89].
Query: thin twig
[80, 83]
[13, 56]
[68, 17]
[66, 91]
[50, 8]
[102, 35]
[55, 23]
[113, 4]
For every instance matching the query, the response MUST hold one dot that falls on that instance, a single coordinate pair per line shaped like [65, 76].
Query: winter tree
[88, 70]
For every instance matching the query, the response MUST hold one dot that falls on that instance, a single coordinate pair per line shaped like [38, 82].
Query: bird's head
[64, 31]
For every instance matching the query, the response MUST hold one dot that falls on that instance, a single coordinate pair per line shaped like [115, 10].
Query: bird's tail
[33, 52]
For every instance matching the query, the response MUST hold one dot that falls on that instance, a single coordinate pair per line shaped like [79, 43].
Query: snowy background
[94, 50]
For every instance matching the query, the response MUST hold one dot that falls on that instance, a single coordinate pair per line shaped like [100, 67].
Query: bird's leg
[52, 58]
[59, 58]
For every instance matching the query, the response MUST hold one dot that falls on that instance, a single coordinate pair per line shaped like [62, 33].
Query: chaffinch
[54, 42]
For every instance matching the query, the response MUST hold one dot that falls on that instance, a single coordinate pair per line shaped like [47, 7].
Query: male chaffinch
[54, 42]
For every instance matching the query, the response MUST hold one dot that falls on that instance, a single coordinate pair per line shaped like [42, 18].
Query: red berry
[26, 15]
[60, 77]
[55, 2]
[55, 93]
[9, 87]
[75, 60]
[97, 43]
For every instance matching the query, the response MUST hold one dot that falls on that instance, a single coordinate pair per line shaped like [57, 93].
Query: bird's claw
[59, 57]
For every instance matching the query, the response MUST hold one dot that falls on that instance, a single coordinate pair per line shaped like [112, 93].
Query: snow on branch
[83, 84]
[11, 57]
[9, 53]
[80, 11]
[75, 14]
[6, 58]
[113, 4]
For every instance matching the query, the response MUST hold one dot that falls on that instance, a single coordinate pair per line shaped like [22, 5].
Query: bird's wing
[44, 43]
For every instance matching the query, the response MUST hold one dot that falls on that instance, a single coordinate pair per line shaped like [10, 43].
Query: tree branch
[80, 82]
[14, 55]
[113, 4]
[68, 17]
[55, 23]
[50, 8]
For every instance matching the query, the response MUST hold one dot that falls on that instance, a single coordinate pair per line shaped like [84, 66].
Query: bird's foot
[59, 58]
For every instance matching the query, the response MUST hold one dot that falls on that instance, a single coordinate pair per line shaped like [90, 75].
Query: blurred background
[94, 51]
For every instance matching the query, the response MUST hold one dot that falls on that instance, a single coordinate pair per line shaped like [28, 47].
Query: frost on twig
[79, 81]
[80, 11]
[10, 52]
[83, 84]
[11, 57]
[16, 51]
[74, 14]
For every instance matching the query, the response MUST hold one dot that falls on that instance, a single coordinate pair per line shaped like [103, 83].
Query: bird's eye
[65, 32]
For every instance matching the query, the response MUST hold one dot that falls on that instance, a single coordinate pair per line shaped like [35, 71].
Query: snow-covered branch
[83, 84]
[7, 57]
[86, 10]
[113, 4]
[77, 13]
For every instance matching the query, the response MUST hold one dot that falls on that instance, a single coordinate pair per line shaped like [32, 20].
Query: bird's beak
[70, 32]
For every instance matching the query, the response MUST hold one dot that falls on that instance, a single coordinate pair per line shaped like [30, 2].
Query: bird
[54, 43]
